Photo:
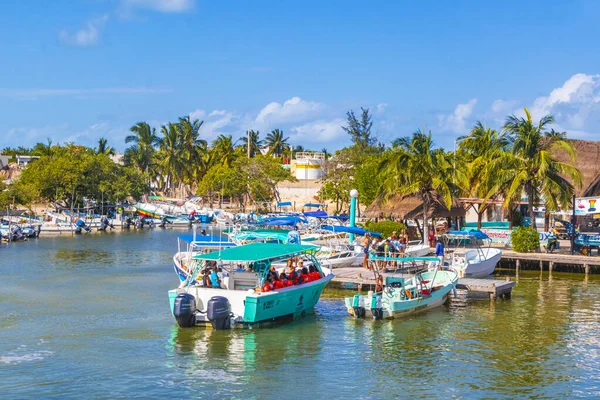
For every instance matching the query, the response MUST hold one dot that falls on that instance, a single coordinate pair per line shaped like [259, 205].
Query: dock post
[541, 265]
[518, 265]
[550, 266]
[587, 269]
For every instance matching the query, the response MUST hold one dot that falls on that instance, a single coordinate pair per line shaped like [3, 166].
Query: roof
[587, 161]
[206, 241]
[411, 207]
[256, 252]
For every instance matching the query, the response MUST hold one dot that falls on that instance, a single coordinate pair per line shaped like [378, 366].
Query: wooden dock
[358, 278]
[552, 260]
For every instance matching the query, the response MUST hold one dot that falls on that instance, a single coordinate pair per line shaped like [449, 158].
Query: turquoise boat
[402, 297]
[238, 302]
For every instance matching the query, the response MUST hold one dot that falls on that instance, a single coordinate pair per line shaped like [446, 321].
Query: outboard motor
[151, 223]
[358, 304]
[127, 223]
[376, 307]
[218, 312]
[139, 223]
[103, 224]
[183, 310]
[164, 221]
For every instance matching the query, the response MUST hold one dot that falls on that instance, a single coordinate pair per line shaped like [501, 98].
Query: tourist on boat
[203, 232]
[313, 273]
[206, 278]
[268, 286]
[286, 282]
[366, 244]
[293, 236]
[379, 284]
[215, 280]
[278, 284]
[305, 276]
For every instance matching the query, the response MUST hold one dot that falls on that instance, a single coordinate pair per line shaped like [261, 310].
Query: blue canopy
[316, 214]
[340, 217]
[315, 205]
[281, 221]
[206, 241]
[466, 235]
[284, 204]
[350, 229]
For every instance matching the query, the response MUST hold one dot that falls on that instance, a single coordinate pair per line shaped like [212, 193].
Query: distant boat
[402, 297]
[478, 262]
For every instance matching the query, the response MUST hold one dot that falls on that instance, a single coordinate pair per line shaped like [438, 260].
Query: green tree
[104, 148]
[360, 130]
[367, 179]
[224, 180]
[337, 180]
[276, 142]
[169, 157]
[415, 167]
[223, 150]
[255, 143]
[530, 167]
[141, 152]
[42, 149]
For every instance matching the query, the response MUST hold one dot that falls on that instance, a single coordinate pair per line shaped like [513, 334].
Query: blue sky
[78, 70]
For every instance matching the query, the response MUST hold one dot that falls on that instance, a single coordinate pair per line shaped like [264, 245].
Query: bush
[385, 227]
[525, 240]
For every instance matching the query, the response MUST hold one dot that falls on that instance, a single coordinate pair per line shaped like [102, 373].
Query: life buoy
[408, 293]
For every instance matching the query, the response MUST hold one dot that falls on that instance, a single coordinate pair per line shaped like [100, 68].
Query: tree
[276, 142]
[223, 150]
[103, 147]
[530, 167]
[337, 180]
[476, 152]
[169, 157]
[224, 180]
[141, 152]
[360, 131]
[42, 149]
[255, 143]
[414, 167]
[367, 179]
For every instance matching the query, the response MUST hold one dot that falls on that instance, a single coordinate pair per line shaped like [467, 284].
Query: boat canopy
[314, 205]
[466, 235]
[316, 214]
[257, 252]
[280, 221]
[206, 241]
[403, 259]
[284, 204]
[340, 217]
[350, 229]
[269, 234]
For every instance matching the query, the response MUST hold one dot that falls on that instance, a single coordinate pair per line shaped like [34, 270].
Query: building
[4, 161]
[22, 161]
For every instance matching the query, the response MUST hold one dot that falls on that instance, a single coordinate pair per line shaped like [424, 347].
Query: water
[89, 317]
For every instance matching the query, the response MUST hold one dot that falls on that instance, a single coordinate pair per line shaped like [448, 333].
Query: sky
[78, 70]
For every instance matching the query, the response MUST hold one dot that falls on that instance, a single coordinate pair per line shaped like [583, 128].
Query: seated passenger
[313, 273]
[215, 280]
[296, 278]
[278, 284]
[305, 276]
[268, 286]
[286, 282]
[206, 278]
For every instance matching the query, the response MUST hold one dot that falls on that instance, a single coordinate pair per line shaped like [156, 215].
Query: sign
[587, 205]
[503, 236]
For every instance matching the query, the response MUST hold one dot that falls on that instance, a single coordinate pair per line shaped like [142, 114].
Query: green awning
[256, 252]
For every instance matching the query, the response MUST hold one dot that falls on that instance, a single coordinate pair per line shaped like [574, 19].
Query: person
[284, 279]
[206, 278]
[277, 283]
[215, 280]
[293, 236]
[203, 232]
[268, 286]
[366, 244]
[313, 273]
[431, 235]
[379, 284]
[305, 276]
[439, 249]
[394, 236]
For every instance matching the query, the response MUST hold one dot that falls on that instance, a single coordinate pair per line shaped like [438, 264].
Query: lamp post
[353, 197]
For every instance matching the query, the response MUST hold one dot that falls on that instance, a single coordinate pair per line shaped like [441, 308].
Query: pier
[358, 278]
[552, 261]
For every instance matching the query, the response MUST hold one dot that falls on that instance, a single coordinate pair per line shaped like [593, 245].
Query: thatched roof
[411, 207]
[587, 160]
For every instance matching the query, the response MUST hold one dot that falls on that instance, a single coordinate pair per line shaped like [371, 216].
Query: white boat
[478, 262]
[401, 297]
[338, 256]
[238, 300]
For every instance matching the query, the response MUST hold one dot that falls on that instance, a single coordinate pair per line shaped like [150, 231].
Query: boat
[476, 263]
[238, 302]
[402, 297]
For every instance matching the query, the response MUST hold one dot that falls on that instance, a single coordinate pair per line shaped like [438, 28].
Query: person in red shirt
[305, 276]
[268, 286]
[286, 282]
[278, 284]
[313, 273]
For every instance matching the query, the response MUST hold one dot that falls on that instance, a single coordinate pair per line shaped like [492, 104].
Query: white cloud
[217, 122]
[35, 93]
[381, 108]
[166, 6]
[291, 111]
[87, 36]
[456, 122]
[319, 131]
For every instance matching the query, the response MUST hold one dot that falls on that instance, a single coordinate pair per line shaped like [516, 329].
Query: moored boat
[401, 297]
[238, 301]
[478, 262]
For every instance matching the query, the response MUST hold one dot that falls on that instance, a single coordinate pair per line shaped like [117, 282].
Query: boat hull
[476, 268]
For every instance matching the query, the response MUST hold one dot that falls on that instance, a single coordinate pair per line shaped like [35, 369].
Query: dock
[552, 260]
[356, 278]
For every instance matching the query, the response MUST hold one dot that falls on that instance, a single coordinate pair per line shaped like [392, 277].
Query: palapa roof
[411, 207]
[587, 160]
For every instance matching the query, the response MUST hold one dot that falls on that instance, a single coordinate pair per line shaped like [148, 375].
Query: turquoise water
[89, 317]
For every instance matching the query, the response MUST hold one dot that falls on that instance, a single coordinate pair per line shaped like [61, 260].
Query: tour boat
[478, 262]
[401, 297]
[238, 302]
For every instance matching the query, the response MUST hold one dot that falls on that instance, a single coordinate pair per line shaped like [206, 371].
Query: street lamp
[353, 197]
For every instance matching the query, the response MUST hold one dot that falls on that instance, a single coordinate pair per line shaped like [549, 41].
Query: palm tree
[144, 140]
[103, 147]
[41, 149]
[193, 151]
[414, 167]
[326, 153]
[276, 142]
[475, 153]
[255, 142]
[169, 154]
[223, 151]
[529, 167]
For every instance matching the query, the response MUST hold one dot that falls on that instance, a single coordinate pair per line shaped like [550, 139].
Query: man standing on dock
[439, 250]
